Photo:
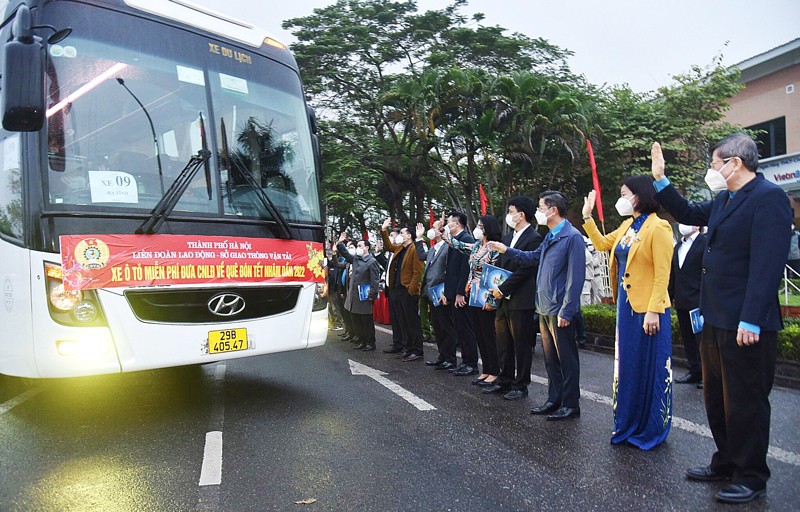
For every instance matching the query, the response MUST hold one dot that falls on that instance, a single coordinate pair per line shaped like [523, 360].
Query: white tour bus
[168, 152]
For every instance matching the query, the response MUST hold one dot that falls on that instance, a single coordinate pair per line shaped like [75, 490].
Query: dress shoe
[404, 354]
[360, 346]
[565, 413]
[447, 365]
[495, 389]
[392, 350]
[368, 348]
[689, 378]
[412, 357]
[466, 370]
[547, 408]
[699, 385]
[706, 474]
[485, 384]
[516, 394]
[456, 368]
[434, 363]
[738, 493]
[477, 381]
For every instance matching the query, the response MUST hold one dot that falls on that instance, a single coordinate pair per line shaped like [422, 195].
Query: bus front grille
[214, 305]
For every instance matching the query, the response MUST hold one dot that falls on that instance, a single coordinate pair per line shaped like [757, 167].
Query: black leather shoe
[495, 389]
[547, 408]
[689, 378]
[368, 348]
[359, 346]
[456, 368]
[565, 413]
[446, 366]
[516, 394]
[737, 493]
[466, 370]
[485, 384]
[434, 363]
[477, 381]
[412, 357]
[706, 474]
[404, 354]
[392, 350]
[699, 386]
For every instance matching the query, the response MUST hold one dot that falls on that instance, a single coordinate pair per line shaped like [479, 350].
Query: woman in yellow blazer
[641, 250]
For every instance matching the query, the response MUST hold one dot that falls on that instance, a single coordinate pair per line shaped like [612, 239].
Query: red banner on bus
[106, 261]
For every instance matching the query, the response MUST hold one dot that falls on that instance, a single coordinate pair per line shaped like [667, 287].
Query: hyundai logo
[226, 304]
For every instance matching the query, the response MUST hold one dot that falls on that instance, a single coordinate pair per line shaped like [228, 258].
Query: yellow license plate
[227, 340]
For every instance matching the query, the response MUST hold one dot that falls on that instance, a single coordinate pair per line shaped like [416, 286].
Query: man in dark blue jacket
[559, 282]
[749, 224]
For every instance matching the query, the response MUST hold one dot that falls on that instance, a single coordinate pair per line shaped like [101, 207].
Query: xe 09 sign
[105, 261]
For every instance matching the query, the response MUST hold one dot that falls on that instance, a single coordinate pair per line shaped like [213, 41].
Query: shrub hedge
[601, 319]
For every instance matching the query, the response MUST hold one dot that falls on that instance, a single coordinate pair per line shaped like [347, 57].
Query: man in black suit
[455, 301]
[684, 290]
[749, 224]
[515, 321]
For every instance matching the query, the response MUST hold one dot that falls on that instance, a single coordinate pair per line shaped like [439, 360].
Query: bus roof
[204, 18]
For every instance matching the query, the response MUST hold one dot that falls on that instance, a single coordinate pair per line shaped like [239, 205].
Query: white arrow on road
[378, 376]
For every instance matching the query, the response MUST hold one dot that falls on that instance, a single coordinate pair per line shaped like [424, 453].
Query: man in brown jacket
[405, 285]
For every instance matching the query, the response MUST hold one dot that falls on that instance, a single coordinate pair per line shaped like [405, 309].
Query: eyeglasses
[724, 161]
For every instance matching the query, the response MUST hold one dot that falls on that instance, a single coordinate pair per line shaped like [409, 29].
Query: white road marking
[774, 452]
[211, 474]
[10, 404]
[378, 376]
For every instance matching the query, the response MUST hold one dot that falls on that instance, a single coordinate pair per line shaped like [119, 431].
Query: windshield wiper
[285, 230]
[170, 199]
[121, 82]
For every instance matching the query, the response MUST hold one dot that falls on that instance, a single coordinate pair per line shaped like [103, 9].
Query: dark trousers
[347, 318]
[736, 385]
[394, 318]
[365, 328]
[561, 361]
[445, 333]
[690, 342]
[483, 325]
[464, 335]
[408, 313]
[516, 337]
[580, 327]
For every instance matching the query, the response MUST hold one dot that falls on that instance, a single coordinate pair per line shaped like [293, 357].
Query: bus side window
[10, 184]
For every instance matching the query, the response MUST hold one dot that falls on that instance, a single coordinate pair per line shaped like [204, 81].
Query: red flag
[432, 217]
[484, 201]
[366, 235]
[595, 181]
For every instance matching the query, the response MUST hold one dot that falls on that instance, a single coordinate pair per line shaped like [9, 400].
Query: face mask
[685, 230]
[431, 234]
[399, 240]
[510, 220]
[477, 234]
[541, 218]
[624, 207]
[360, 251]
[716, 181]
[352, 251]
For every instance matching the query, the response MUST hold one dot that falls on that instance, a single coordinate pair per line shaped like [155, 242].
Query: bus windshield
[123, 122]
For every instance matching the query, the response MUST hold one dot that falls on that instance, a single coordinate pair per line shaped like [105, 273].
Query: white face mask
[510, 220]
[716, 181]
[685, 230]
[477, 234]
[432, 234]
[541, 218]
[360, 251]
[399, 240]
[624, 207]
[352, 251]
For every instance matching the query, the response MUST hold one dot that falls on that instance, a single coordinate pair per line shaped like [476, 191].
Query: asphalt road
[350, 431]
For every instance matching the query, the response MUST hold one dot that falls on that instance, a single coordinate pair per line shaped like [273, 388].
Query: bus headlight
[73, 308]
[62, 299]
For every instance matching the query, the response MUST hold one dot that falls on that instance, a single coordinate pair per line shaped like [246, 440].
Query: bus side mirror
[22, 95]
